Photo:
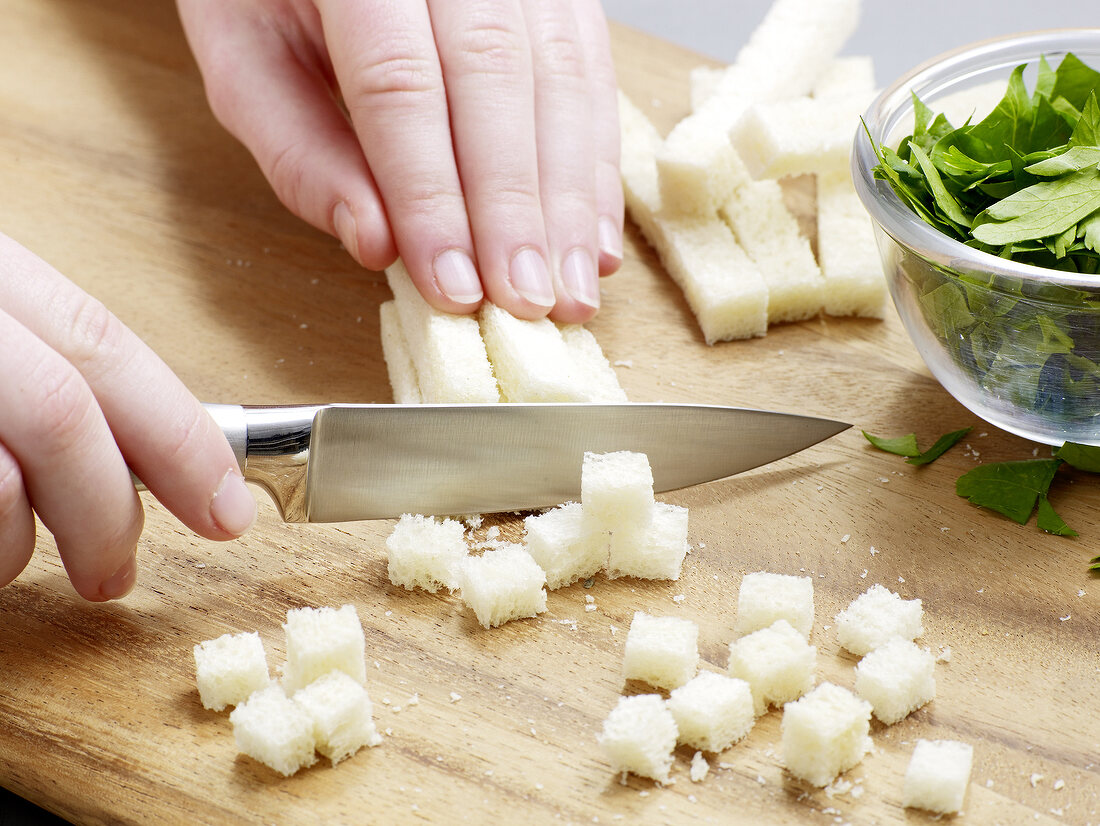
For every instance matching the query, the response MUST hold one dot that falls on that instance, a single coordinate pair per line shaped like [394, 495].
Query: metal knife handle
[271, 445]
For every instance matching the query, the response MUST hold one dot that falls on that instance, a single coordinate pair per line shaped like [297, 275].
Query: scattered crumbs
[944, 529]
[873, 551]
[396, 709]
[901, 579]
[455, 696]
[642, 793]
[699, 767]
[981, 590]
[572, 623]
[413, 700]
[1080, 592]
[760, 779]
[488, 772]
[821, 487]
[883, 479]
[945, 654]
[303, 326]
[864, 574]
[1059, 784]
[829, 810]
[539, 786]
[679, 598]
[493, 533]
[779, 352]
[389, 613]
[378, 665]
[588, 598]
[725, 765]
[203, 565]
[846, 537]
[385, 701]
[389, 732]
[1035, 779]
[590, 607]
[692, 799]
[623, 363]
[826, 627]
[1057, 812]
[702, 545]
[315, 281]
[838, 786]
[857, 792]
[1066, 617]
[614, 630]
[989, 783]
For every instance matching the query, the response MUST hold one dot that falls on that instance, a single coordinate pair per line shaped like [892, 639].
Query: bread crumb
[679, 598]
[1035, 779]
[455, 697]
[945, 654]
[1059, 784]
[623, 363]
[699, 767]
[589, 598]
[846, 537]
[1066, 617]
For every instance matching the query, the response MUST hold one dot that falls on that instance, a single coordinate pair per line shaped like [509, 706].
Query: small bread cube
[876, 616]
[765, 598]
[777, 662]
[658, 553]
[503, 584]
[896, 679]
[590, 362]
[712, 711]
[425, 552]
[639, 736]
[341, 713]
[661, 651]
[558, 541]
[319, 640]
[937, 776]
[825, 733]
[529, 357]
[617, 491]
[272, 728]
[230, 668]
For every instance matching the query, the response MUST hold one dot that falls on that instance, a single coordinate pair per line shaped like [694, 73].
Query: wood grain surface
[112, 168]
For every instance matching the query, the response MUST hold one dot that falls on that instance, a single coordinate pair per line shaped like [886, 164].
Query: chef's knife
[338, 463]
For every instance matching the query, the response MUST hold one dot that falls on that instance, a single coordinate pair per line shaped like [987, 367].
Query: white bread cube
[425, 552]
[876, 616]
[319, 640]
[712, 711]
[798, 136]
[825, 733]
[697, 165]
[724, 289]
[559, 542]
[639, 736]
[229, 669]
[847, 251]
[661, 651]
[777, 662]
[272, 728]
[502, 584]
[762, 224]
[704, 82]
[896, 679]
[937, 776]
[395, 352]
[340, 710]
[447, 350]
[598, 376]
[658, 553]
[766, 597]
[617, 491]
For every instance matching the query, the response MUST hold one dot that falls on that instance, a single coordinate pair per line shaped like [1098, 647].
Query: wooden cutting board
[112, 168]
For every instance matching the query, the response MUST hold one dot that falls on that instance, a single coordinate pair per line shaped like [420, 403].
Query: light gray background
[897, 34]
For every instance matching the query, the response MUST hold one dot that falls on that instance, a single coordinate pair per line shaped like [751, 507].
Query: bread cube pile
[825, 728]
[618, 528]
[433, 357]
[320, 705]
[707, 196]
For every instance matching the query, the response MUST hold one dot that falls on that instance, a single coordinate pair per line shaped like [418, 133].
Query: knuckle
[185, 437]
[562, 56]
[94, 331]
[491, 49]
[286, 173]
[13, 493]
[64, 406]
[397, 75]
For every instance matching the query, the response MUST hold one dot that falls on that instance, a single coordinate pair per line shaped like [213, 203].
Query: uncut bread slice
[395, 352]
[447, 351]
[723, 287]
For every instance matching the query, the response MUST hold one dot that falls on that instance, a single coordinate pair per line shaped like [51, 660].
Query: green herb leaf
[942, 445]
[1010, 488]
[1044, 209]
[1072, 160]
[1050, 521]
[1082, 457]
[899, 445]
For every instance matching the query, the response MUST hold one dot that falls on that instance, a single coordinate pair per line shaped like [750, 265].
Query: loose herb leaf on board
[907, 446]
[1082, 457]
[1010, 488]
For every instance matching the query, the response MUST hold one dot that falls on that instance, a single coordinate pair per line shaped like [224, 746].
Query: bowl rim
[893, 216]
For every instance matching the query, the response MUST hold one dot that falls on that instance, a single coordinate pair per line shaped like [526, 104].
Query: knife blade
[339, 463]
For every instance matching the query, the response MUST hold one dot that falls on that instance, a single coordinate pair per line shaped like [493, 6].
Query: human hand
[82, 400]
[480, 140]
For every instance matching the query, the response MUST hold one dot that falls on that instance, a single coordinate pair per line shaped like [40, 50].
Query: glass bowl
[1012, 342]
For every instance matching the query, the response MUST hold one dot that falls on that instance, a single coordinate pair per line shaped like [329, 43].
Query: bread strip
[768, 231]
[447, 350]
[847, 251]
[594, 368]
[846, 76]
[723, 287]
[395, 351]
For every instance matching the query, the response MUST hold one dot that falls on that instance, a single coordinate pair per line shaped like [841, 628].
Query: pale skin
[477, 139]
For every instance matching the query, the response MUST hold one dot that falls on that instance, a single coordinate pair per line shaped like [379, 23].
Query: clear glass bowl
[959, 304]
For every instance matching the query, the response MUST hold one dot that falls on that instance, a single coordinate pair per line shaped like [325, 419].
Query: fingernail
[118, 584]
[611, 240]
[531, 277]
[578, 276]
[233, 506]
[344, 224]
[456, 277]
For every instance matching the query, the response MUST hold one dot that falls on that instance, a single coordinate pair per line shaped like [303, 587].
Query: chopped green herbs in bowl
[981, 171]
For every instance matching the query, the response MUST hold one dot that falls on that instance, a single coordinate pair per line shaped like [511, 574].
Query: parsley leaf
[1010, 488]
[907, 446]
